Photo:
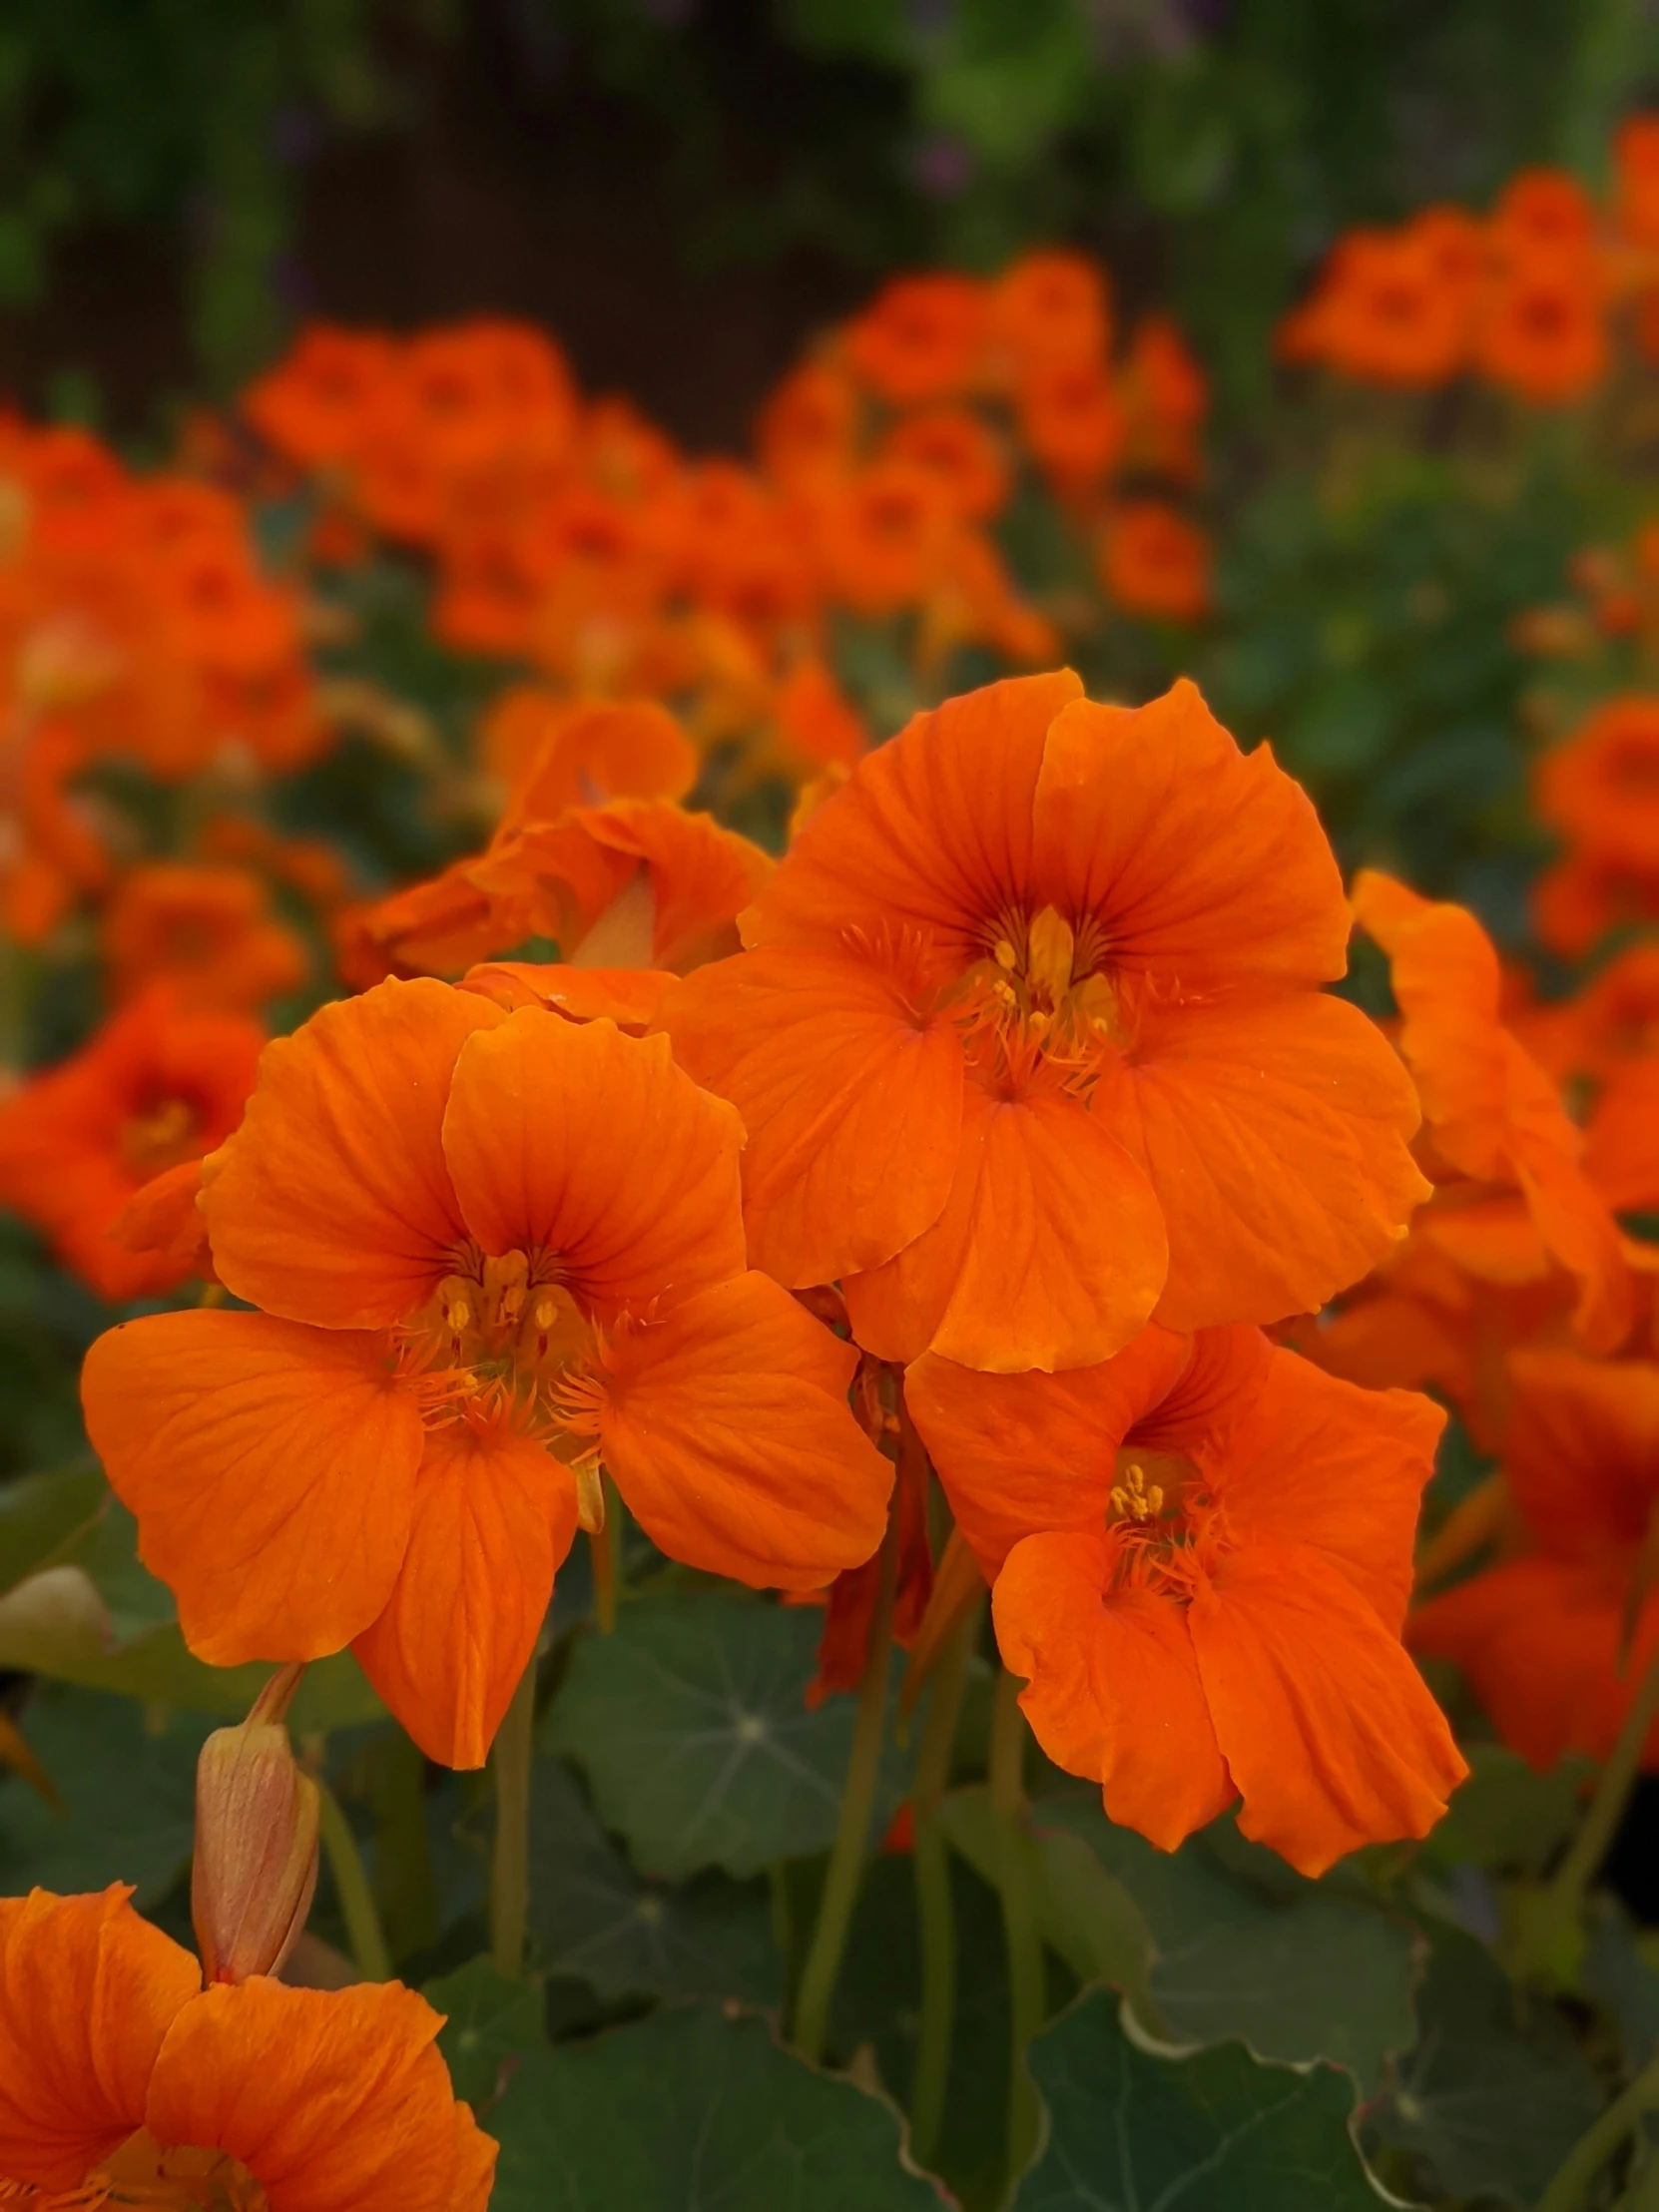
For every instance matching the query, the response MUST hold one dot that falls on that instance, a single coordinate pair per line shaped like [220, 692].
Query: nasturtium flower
[1555, 1637]
[123, 2081]
[1201, 1554]
[490, 1253]
[1030, 1043]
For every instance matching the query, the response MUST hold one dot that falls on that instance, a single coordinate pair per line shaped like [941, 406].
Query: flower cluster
[1523, 300]
[573, 535]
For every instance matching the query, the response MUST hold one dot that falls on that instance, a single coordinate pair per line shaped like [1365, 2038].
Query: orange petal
[1206, 863]
[932, 835]
[1621, 1143]
[1582, 1452]
[1019, 1454]
[1538, 1640]
[88, 1990]
[494, 1515]
[1113, 1690]
[163, 1219]
[1448, 987]
[632, 998]
[1309, 1460]
[726, 1427]
[1274, 1133]
[597, 1149]
[333, 1203]
[1573, 1216]
[1050, 1252]
[852, 1101]
[334, 2100]
[1329, 1730]
[271, 1468]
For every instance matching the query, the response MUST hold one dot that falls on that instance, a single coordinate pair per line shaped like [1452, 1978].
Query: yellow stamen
[590, 1495]
[1004, 954]
[1136, 1500]
[1050, 948]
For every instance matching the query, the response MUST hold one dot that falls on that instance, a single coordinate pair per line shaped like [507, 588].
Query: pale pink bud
[257, 1815]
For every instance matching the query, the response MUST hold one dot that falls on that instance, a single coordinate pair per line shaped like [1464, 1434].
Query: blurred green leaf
[691, 1724]
[1504, 1814]
[1487, 2103]
[127, 1779]
[1217, 2132]
[592, 1917]
[696, 2106]
[489, 2022]
[1296, 1973]
[41, 1513]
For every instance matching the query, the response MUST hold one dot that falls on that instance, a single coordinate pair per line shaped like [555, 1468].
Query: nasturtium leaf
[694, 2109]
[41, 1513]
[127, 1786]
[690, 1723]
[489, 2024]
[1621, 1975]
[1485, 2104]
[592, 1917]
[1294, 1972]
[1504, 1814]
[1215, 2131]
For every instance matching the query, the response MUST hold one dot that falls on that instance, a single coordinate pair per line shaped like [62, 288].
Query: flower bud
[257, 1815]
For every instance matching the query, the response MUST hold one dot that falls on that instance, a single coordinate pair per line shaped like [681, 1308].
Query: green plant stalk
[1571, 1879]
[935, 1918]
[510, 1870]
[847, 1856]
[357, 1900]
[1027, 1993]
[1572, 2186]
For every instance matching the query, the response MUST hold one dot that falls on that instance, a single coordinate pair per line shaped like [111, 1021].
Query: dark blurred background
[682, 189]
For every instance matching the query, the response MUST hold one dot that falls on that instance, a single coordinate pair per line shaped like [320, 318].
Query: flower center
[161, 1138]
[1044, 989]
[502, 1335]
[142, 2177]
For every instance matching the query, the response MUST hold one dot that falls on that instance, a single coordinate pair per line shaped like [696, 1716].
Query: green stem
[510, 1872]
[846, 1858]
[1572, 1878]
[357, 1900]
[1027, 1991]
[1572, 2186]
[935, 1916]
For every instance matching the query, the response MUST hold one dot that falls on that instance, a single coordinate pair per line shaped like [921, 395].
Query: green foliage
[489, 2025]
[691, 1725]
[1217, 2132]
[696, 2106]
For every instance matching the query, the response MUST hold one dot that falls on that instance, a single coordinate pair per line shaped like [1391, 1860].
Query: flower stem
[1572, 1878]
[935, 1918]
[846, 1858]
[511, 1872]
[1027, 1991]
[357, 1900]
[1571, 2185]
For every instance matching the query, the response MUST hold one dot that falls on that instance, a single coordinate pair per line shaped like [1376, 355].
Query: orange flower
[1052, 308]
[808, 431]
[1153, 561]
[1072, 420]
[920, 338]
[554, 752]
[208, 932]
[1202, 1557]
[158, 1086]
[819, 724]
[317, 406]
[1636, 164]
[1540, 1636]
[636, 883]
[1600, 788]
[1492, 1115]
[1033, 1021]
[1165, 400]
[490, 1251]
[885, 535]
[123, 2081]
[1394, 307]
[958, 449]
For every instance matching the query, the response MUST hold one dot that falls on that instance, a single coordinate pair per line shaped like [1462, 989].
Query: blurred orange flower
[208, 932]
[158, 1086]
[1153, 561]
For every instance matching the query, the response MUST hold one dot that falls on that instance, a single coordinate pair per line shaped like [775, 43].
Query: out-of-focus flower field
[882, 1424]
